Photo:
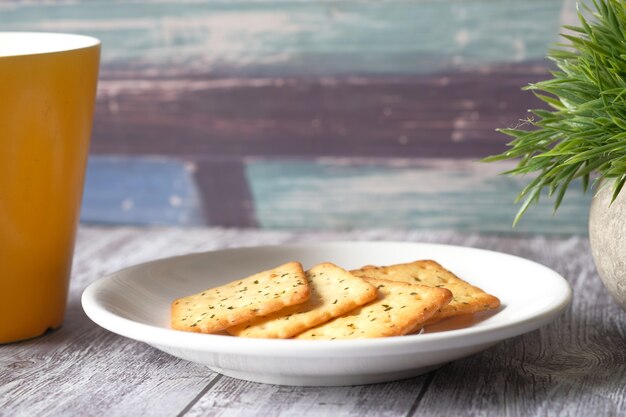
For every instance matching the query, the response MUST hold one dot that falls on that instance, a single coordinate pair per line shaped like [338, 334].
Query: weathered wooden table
[575, 366]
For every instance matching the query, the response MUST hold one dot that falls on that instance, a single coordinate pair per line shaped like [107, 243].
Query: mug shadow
[76, 327]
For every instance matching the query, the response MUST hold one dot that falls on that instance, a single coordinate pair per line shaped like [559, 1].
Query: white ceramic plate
[135, 303]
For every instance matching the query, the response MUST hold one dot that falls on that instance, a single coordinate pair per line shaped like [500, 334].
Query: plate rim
[161, 336]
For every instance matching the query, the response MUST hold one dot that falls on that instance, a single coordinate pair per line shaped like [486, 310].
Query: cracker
[334, 292]
[467, 299]
[399, 309]
[217, 308]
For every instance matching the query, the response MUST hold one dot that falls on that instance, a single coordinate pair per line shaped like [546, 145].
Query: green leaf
[584, 129]
[532, 198]
[563, 187]
[618, 188]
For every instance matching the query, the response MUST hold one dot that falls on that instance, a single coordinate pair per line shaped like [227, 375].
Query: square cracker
[334, 291]
[399, 309]
[217, 308]
[466, 298]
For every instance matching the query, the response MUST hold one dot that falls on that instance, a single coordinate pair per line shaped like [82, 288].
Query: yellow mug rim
[14, 44]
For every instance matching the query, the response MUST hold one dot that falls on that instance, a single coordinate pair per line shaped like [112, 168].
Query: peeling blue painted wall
[310, 114]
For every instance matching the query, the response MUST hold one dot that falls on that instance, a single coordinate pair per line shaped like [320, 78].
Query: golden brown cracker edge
[334, 292]
[227, 305]
[467, 299]
[399, 309]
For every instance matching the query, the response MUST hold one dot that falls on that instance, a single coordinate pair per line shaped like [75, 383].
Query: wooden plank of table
[82, 369]
[574, 366]
[230, 397]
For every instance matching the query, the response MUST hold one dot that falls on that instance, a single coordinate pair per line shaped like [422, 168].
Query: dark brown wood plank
[433, 115]
[225, 192]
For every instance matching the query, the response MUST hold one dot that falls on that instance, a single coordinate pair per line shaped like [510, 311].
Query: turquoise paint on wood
[294, 37]
[422, 194]
[122, 190]
[331, 194]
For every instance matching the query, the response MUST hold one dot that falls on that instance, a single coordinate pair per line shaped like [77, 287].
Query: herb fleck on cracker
[234, 303]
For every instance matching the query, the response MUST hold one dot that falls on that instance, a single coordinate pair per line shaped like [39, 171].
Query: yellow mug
[47, 96]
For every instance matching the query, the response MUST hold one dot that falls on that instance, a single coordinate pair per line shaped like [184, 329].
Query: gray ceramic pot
[607, 234]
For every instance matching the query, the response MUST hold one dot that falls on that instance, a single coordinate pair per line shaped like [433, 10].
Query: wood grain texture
[211, 84]
[227, 197]
[82, 369]
[230, 397]
[575, 366]
[146, 190]
[452, 114]
[298, 37]
[413, 193]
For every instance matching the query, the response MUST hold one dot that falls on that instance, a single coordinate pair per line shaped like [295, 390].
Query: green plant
[584, 133]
